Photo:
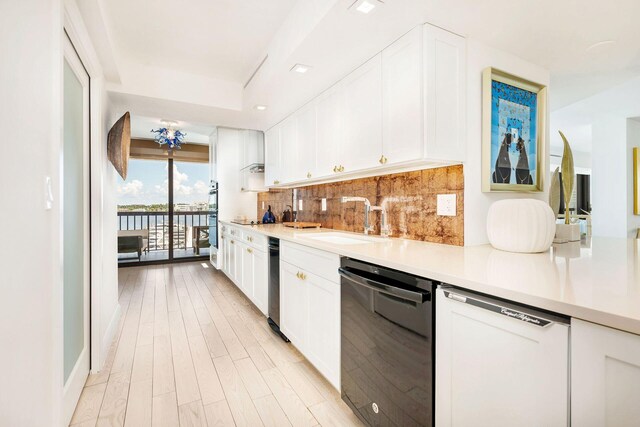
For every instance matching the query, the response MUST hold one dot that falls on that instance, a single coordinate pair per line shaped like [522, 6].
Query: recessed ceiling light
[260, 107]
[300, 68]
[601, 44]
[365, 6]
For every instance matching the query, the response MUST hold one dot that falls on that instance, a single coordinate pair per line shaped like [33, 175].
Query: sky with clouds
[147, 182]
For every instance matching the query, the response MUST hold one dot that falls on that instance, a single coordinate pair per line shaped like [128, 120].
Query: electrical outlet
[300, 204]
[263, 205]
[446, 205]
[324, 204]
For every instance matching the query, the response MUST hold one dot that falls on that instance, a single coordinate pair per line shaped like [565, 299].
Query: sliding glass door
[163, 211]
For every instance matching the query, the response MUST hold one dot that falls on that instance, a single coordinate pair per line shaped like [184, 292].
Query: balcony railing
[158, 225]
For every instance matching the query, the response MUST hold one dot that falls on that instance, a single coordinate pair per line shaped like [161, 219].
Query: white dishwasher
[499, 364]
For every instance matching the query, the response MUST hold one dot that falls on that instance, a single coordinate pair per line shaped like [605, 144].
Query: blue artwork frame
[514, 114]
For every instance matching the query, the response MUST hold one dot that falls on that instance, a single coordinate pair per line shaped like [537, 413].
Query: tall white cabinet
[405, 107]
[605, 376]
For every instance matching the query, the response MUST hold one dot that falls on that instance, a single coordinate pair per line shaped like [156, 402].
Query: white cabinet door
[362, 116]
[329, 115]
[605, 376]
[402, 97]
[293, 306]
[232, 258]
[496, 370]
[445, 77]
[288, 148]
[252, 147]
[323, 317]
[246, 280]
[305, 165]
[272, 160]
[260, 281]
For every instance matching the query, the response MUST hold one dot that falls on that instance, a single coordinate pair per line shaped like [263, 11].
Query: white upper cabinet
[444, 94]
[403, 108]
[363, 116]
[252, 147]
[305, 164]
[288, 149]
[272, 167]
[329, 120]
[605, 376]
[402, 112]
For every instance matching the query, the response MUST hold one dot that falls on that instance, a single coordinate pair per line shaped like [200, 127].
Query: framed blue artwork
[513, 132]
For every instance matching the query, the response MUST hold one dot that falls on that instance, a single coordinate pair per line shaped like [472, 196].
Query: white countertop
[597, 280]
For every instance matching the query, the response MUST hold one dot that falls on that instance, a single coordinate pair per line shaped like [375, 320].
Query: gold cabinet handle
[232, 242]
[308, 174]
[335, 169]
[300, 275]
[250, 239]
[249, 250]
[383, 160]
[341, 168]
[276, 182]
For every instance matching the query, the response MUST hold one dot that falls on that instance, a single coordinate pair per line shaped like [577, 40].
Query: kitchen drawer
[320, 263]
[255, 240]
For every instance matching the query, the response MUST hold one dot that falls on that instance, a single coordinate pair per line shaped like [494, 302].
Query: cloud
[132, 188]
[200, 188]
[180, 187]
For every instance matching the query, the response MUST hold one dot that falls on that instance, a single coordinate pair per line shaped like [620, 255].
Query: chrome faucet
[385, 230]
[367, 209]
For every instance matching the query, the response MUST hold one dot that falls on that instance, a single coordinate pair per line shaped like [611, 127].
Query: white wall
[30, 286]
[476, 203]
[608, 177]
[231, 201]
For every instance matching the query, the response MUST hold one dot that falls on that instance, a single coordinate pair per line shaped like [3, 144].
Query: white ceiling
[227, 39]
[223, 39]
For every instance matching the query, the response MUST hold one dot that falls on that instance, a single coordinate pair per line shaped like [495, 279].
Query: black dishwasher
[387, 339]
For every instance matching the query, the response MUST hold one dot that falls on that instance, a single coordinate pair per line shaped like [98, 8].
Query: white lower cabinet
[494, 369]
[310, 306]
[245, 263]
[605, 376]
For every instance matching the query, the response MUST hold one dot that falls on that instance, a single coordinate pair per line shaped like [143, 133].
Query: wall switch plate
[300, 204]
[446, 205]
[324, 204]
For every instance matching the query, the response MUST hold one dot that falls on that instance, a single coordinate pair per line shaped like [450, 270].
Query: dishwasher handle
[418, 297]
[499, 309]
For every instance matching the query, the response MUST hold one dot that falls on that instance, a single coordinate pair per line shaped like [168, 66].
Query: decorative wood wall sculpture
[118, 143]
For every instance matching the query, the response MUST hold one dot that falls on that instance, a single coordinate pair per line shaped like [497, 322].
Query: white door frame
[75, 383]
[76, 31]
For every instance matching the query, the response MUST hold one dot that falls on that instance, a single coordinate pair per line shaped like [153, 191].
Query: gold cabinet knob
[300, 275]
[383, 160]
[232, 242]
[308, 174]
[335, 169]
[276, 182]
[249, 250]
[341, 168]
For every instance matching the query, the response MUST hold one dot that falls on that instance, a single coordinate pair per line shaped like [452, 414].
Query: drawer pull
[301, 275]
[249, 250]
[232, 242]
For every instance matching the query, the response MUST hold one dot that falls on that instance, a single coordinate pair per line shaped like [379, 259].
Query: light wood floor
[191, 350]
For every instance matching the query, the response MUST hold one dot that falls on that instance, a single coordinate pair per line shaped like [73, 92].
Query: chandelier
[168, 135]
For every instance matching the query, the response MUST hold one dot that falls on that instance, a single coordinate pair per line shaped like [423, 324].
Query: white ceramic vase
[521, 225]
[567, 232]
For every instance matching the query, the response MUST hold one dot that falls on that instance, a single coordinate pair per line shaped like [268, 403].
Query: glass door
[143, 212]
[75, 228]
[190, 209]
[163, 211]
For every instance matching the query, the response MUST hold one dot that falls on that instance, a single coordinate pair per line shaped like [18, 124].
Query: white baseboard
[107, 339]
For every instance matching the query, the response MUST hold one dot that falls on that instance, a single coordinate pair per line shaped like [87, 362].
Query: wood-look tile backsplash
[409, 198]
